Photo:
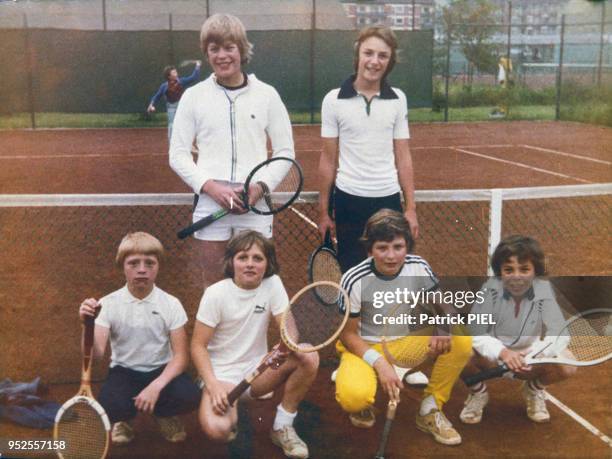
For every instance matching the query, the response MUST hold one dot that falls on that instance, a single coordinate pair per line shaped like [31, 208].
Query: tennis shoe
[474, 405]
[363, 419]
[536, 404]
[416, 379]
[292, 445]
[122, 433]
[439, 426]
[171, 428]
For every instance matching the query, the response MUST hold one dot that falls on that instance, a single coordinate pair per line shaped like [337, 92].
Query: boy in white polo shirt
[148, 344]
[364, 125]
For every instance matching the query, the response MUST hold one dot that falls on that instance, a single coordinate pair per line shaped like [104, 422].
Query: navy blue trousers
[351, 214]
[181, 395]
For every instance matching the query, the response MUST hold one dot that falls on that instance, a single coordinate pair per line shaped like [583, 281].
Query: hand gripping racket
[81, 422]
[404, 348]
[307, 325]
[323, 265]
[584, 340]
[270, 187]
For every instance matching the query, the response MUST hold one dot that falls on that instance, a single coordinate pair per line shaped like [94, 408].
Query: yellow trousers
[356, 381]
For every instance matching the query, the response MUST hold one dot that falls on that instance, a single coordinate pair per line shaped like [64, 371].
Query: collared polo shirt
[140, 329]
[416, 275]
[538, 312]
[366, 131]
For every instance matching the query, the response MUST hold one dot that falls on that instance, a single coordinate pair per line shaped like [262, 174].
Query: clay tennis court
[40, 319]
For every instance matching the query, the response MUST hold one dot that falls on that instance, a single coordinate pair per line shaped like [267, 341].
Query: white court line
[94, 155]
[579, 419]
[443, 147]
[570, 155]
[304, 217]
[308, 220]
[514, 163]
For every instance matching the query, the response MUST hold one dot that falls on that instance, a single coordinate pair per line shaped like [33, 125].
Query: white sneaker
[292, 445]
[122, 433]
[438, 425]
[474, 405]
[363, 419]
[416, 379]
[536, 404]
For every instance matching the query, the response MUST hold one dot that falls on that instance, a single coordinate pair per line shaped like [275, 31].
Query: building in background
[397, 14]
[171, 14]
[537, 18]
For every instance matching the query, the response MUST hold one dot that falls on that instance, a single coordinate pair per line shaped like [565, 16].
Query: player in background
[231, 139]
[145, 327]
[366, 161]
[524, 308]
[230, 340]
[172, 89]
[388, 242]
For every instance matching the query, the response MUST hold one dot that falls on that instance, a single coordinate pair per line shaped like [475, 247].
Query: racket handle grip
[237, 391]
[185, 232]
[486, 374]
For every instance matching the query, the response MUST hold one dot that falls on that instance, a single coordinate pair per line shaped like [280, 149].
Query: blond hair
[139, 242]
[385, 34]
[221, 28]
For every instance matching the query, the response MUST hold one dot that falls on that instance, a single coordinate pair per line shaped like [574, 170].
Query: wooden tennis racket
[399, 349]
[584, 340]
[323, 265]
[307, 325]
[81, 422]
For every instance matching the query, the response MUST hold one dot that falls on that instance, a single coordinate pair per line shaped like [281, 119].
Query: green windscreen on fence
[78, 71]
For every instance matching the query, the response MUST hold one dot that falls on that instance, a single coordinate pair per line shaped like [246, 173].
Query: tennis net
[59, 249]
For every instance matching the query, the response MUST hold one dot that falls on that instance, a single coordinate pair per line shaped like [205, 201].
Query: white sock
[478, 388]
[283, 418]
[428, 404]
[535, 385]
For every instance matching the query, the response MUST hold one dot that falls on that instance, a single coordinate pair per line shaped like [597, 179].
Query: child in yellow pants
[362, 366]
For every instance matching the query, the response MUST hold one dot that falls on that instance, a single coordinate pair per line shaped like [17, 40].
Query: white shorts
[231, 224]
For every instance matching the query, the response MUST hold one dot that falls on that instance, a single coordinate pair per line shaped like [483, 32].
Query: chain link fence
[59, 249]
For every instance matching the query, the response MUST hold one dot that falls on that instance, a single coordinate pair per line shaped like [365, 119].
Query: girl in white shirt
[230, 340]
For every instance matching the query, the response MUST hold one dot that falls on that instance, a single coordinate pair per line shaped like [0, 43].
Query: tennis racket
[401, 349]
[281, 176]
[81, 422]
[323, 265]
[188, 62]
[307, 325]
[584, 340]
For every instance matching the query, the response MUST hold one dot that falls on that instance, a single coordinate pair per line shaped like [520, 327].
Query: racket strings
[325, 267]
[406, 352]
[590, 337]
[277, 183]
[309, 323]
[83, 431]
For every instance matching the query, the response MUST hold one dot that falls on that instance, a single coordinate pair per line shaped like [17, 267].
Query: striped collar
[347, 90]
